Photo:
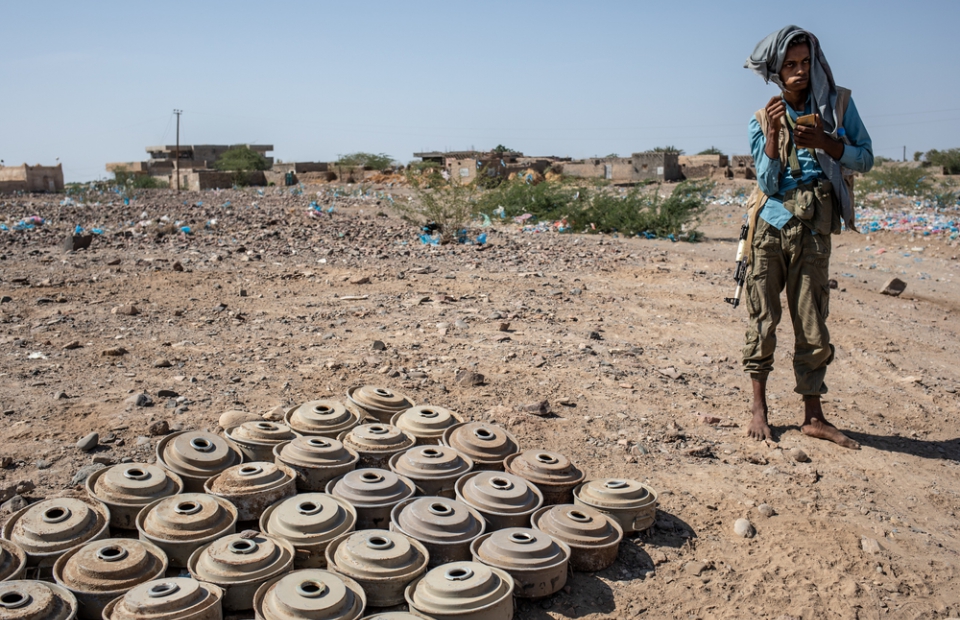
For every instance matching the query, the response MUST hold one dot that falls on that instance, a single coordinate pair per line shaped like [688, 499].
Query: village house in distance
[24, 178]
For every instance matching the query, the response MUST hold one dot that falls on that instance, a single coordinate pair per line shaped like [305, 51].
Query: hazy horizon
[91, 85]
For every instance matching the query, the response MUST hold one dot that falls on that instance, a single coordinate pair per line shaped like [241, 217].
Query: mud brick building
[26, 178]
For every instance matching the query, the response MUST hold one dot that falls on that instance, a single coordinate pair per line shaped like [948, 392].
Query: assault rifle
[740, 275]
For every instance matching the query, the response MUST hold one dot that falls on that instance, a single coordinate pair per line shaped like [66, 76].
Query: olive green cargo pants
[797, 258]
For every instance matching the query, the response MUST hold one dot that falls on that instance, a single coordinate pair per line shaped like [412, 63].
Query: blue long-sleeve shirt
[774, 176]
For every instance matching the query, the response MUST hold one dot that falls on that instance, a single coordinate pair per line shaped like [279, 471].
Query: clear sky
[93, 82]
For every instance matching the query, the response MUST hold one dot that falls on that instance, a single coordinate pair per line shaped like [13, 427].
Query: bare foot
[759, 429]
[821, 429]
[816, 425]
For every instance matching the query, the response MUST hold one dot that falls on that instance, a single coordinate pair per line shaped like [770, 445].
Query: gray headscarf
[767, 60]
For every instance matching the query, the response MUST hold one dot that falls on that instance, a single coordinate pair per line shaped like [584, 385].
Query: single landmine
[36, 600]
[239, 563]
[13, 560]
[325, 418]
[102, 570]
[196, 456]
[47, 529]
[183, 523]
[373, 493]
[593, 537]
[444, 526]
[463, 591]
[632, 504]
[487, 444]
[376, 443]
[377, 402]
[252, 487]
[426, 423]
[316, 461]
[536, 561]
[128, 487]
[551, 472]
[309, 521]
[504, 500]
[434, 469]
[172, 598]
[382, 562]
[256, 439]
[310, 594]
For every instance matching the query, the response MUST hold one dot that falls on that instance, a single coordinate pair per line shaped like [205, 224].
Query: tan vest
[757, 198]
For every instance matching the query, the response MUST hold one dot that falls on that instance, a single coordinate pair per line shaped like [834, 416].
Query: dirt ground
[627, 339]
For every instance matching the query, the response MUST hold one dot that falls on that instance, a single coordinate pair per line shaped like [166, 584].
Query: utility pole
[176, 164]
[904, 153]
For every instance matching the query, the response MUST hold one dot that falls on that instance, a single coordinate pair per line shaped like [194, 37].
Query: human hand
[776, 111]
[811, 137]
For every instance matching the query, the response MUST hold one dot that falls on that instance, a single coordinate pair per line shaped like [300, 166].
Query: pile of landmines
[371, 505]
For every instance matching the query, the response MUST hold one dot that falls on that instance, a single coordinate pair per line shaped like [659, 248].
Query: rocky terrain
[617, 352]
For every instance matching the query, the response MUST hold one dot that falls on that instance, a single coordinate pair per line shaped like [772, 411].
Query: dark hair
[800, 39]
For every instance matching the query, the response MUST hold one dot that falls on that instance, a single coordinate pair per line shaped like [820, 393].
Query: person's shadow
[948, 449]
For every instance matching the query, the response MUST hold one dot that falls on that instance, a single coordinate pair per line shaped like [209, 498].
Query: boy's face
[795, 73]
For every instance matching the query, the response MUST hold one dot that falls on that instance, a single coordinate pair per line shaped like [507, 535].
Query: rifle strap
[792, 159]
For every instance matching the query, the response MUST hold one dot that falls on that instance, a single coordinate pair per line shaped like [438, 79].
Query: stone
[85, 472]
[379, 345]
[60, 396]
[177, 266]
[744, 529]
[161, 363]
[143, 441]
[594, 336]
[766, 510]
[43, 464]
[140, 400]
[114, 352]
[159, 428]
[6, 299]
[469, 378]
[799, 455]
[694, 568]
[360, 280]
[709, 420]
[538, 361]
[870, 545]
[126, 310]
[104, 460]
[504, 326]
[76, 242]
[276, 414]
[460, 324]
[541, 408]
[15, 503]
[235, 417]
[70, 346]
[89, 442]
[5, 462]
[167, 394]
[893, 287]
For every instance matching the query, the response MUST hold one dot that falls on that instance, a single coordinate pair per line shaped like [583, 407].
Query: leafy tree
[667, 149]
[241, 159]
[611, 156]
[124, 178]
[500, 150]
[711, 151]
[949, 159]
[371, 161]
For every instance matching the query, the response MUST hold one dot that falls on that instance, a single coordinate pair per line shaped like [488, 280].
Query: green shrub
[450, 206]
[124, 178]
[895, 178]
[949, 159]
[241, 159]
[366, 160]
[641, 210]
[711, 151]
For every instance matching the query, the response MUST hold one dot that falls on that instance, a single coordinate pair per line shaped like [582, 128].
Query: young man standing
[801, 142]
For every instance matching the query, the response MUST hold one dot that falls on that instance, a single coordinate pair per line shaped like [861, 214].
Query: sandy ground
[631, 334]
